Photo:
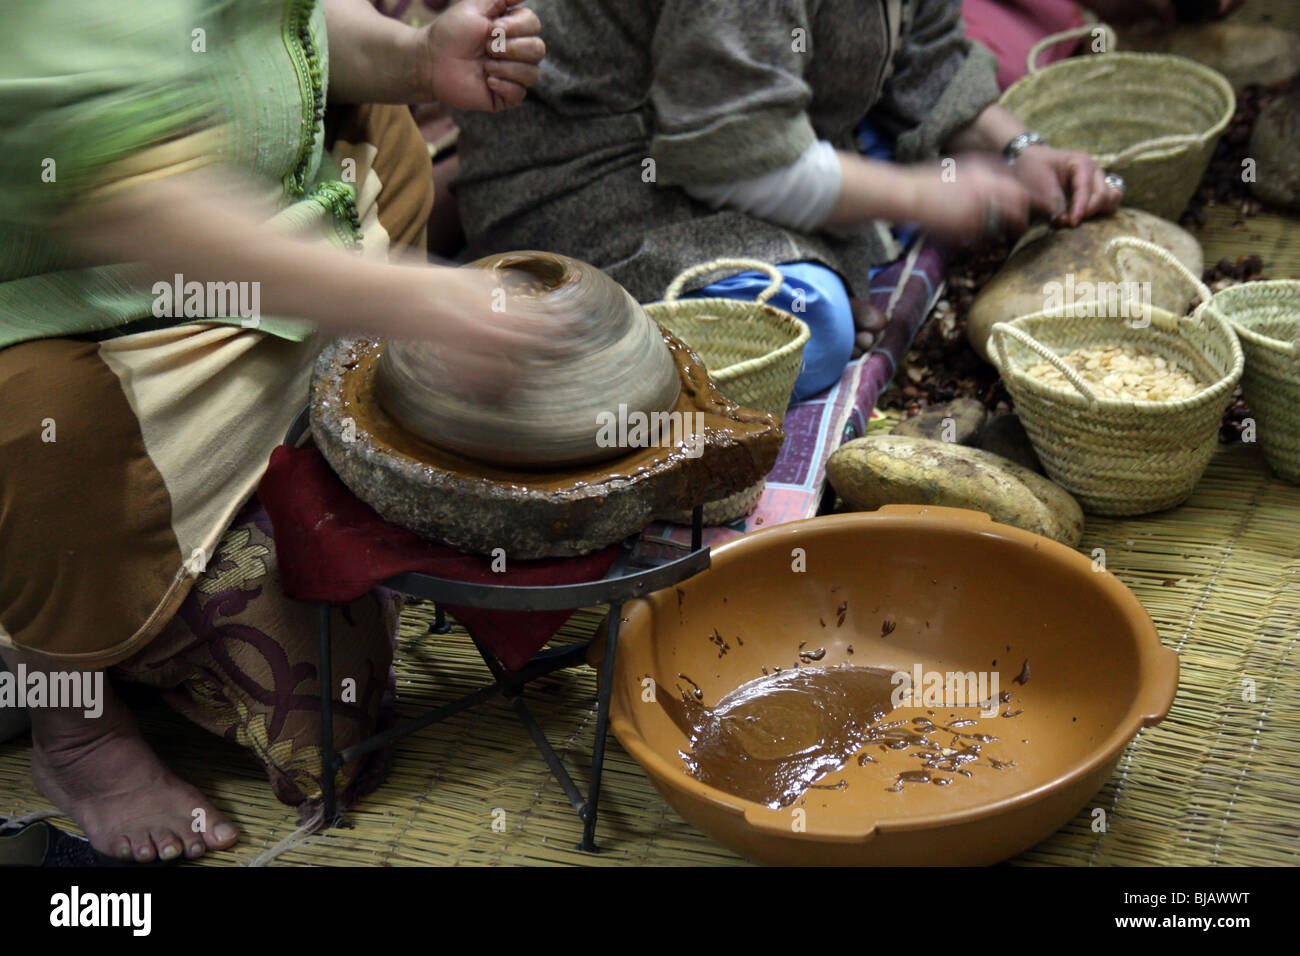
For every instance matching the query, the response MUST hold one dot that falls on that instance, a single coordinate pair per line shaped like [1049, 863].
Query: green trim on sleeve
[307, 60]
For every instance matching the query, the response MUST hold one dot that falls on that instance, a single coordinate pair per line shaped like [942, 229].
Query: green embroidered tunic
[86, 86]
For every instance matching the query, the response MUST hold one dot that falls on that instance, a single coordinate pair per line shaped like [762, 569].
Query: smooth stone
[1275, 146]
[1044, 256]
[1244, 53]
[1006, 437]
[878, 470]
[478, 508]
[957, 421]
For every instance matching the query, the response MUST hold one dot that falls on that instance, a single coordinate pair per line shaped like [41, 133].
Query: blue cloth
[811, 292]
[873, 141]
[816, 294]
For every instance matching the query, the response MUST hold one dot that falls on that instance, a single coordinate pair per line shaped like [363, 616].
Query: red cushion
[331, 546]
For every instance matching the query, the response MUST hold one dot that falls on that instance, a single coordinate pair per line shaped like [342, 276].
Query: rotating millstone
[553, 415]
[533, 474]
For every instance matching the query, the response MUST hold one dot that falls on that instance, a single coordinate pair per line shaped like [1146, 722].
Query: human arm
[475, 55]
[153, 224]
[1047, 172]
[739, 148]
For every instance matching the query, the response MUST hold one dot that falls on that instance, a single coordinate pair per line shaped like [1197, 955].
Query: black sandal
[40, 843]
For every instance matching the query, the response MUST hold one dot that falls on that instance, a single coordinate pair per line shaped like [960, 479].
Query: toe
[867, 317]
[122, 849]
[168, 844]
[222, 834]
[142, 848]
[194, 848]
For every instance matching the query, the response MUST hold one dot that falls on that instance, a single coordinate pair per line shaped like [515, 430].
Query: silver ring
[1116, 181]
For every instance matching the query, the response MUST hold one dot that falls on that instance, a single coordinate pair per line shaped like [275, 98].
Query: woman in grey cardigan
[663, 133]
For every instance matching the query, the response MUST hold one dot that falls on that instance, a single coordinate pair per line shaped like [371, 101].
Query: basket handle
[1024, 338]
[717, 265]
[1137, 150]
[1074, 33]
[1162, 255]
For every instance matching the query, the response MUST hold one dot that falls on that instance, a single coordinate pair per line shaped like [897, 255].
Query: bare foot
[868, 323]
[102, 774]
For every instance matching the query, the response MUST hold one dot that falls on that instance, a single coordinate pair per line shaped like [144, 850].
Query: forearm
[984, 195]
[824, 188]
[991, 131]
[872, 189]
[155, 225]
[373, 58]
[799, 196]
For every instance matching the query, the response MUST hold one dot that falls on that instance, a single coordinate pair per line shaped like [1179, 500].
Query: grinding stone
[614, 360]
[478, 508]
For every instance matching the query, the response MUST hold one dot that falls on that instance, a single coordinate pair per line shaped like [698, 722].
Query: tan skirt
[123, 461]
[123, 464]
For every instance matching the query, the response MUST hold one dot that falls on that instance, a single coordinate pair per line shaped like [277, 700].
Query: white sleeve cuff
[800, 196]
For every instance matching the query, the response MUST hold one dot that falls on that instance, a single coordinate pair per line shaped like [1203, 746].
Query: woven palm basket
[1151, 118]
[753, 352]
[1266, 318]
[1121, 456]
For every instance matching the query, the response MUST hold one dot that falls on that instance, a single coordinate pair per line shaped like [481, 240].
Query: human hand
[1050, 175]
[477, 335]
[482, 54]
[975, 198]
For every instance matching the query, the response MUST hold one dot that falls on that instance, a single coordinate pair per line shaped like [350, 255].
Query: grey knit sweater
[638, 95]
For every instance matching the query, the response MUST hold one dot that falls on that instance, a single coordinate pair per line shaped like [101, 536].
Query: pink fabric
[1010, 28]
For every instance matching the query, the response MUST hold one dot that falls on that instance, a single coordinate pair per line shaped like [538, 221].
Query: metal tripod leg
[439, 623]
[329, 759]
[588, 843]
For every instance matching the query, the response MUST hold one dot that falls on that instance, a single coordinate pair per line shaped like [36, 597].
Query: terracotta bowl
[945, 589]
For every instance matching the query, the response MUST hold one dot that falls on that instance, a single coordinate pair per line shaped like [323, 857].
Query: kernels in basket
[1116, 372]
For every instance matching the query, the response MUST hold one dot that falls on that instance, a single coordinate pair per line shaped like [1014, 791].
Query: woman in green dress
[179, 221]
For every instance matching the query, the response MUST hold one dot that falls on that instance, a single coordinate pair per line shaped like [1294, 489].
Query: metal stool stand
[621, 583]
